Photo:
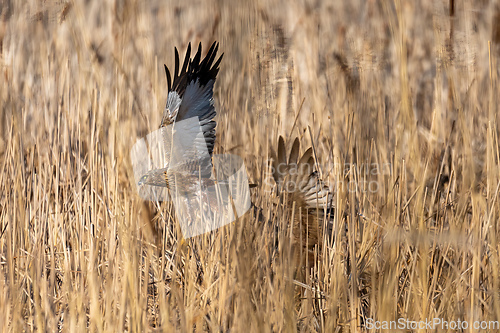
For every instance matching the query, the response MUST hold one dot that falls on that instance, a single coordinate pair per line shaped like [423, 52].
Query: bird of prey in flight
[189, 147]
[208, 191]
[189, 155]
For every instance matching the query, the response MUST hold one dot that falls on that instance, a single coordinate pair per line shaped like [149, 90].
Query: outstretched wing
[191, 94]
[297, 178]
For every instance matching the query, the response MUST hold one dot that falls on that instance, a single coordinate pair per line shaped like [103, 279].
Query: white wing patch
[171, 109]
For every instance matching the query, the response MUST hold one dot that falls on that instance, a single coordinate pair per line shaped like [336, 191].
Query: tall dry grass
[399, 100]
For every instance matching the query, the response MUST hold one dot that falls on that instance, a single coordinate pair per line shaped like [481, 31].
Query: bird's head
[155, 177]
[143, 180]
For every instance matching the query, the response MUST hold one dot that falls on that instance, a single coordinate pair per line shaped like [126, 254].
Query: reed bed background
[398, 98]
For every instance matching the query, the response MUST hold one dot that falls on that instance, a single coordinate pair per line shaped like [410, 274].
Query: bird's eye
[143, 179]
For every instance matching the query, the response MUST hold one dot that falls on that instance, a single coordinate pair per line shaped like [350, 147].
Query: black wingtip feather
[186, 59]
[169, 80]
[215, 68]
[196, 60]
[211, 53]
[176, 64]
[193, 69]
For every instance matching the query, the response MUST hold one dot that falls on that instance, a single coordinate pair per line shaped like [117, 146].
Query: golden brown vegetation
[398, 98]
